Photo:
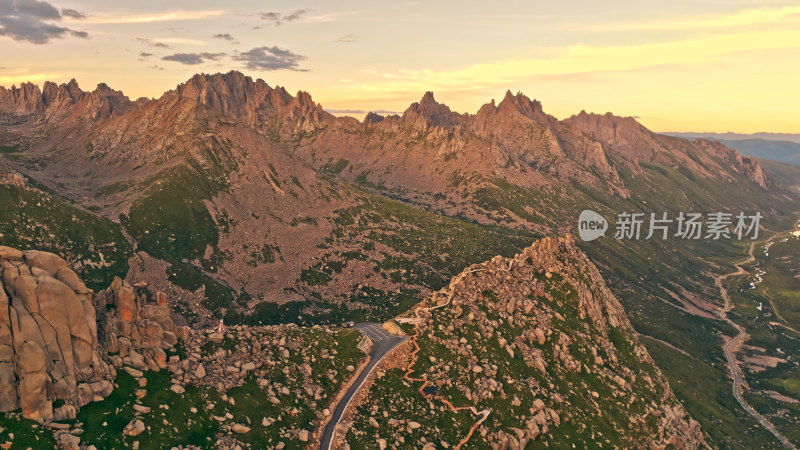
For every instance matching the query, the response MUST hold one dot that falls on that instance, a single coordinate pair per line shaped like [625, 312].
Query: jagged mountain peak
[745, 165]
[624, 134]
[73, 84]
[252, 101]
[512, 108]
[233, 81]
[520, 102]
[428, 98]
[18, 104]
[58, 102]
[430, 113]
[517, 126]
[372, 117]
[104, 88]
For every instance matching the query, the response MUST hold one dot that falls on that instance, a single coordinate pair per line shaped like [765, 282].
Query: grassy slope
[785, 174]
[27, 433]
[585, 421]
[177, 425]
[33, 219]
[171, 222]
[637, 271]
[424, 251]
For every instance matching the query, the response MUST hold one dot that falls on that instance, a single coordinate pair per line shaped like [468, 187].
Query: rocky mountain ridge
[627, 138]
[519, 133]
[241, 201]
[265, 159]
[253, 102]
[58, 103]
[541, 345]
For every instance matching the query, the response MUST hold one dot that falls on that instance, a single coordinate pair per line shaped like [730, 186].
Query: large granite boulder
[61, 341]
[48, 335]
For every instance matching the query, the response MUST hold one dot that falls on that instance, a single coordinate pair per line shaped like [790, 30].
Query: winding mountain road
[383, 342]
[730, 346]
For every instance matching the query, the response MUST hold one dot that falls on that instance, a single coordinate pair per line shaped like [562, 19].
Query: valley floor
[733, 345]
[765, 306]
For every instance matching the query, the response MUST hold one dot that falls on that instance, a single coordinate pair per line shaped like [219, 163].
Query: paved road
[733, 365]
[382, 343]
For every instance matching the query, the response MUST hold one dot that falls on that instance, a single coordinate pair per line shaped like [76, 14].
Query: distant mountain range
[791, 137]
[775, 146]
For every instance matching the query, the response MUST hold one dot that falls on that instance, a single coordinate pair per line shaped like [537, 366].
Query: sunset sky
[683, 65]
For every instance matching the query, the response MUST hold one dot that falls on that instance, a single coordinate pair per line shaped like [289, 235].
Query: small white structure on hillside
[221, 328]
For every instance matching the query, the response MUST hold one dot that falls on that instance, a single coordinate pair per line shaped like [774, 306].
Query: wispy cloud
[168, 16]
[152, 43]
[328, 17]
[73, 13]
[347, 39]
[743, 18]
[192, 59]
[279, 18]
[271, 58]
[577, 60]
[34, 21]
[167, 42]
[224, 36]
[180, 41]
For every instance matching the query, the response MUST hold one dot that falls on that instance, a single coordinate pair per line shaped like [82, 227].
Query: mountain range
[779, 148]
[790, 137]
[244, 202]
[217, 175]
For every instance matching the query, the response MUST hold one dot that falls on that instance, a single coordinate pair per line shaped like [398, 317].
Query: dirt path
[484, 414]
[679, 350]
[785, 323]
[732, 345]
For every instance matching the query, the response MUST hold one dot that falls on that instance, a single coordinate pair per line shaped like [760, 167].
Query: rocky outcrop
[133, 332]
[520, 125]
[9, 176]
[372, 117]
[746, 165]
[621, 134]
[51, 347]
[48, 336]
[56, 103]
[19, 104]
